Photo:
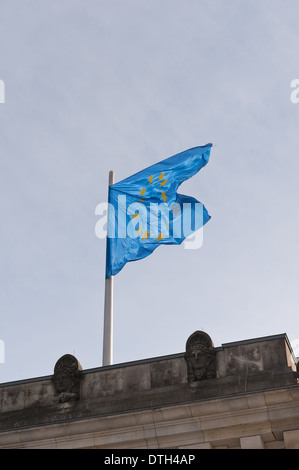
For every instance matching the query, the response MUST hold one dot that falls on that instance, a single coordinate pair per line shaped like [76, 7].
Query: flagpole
[108, 307]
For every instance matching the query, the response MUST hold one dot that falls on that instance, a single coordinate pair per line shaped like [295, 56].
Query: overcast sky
[99, 85]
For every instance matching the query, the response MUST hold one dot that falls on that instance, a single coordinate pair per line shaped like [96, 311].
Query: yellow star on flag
[139, 230]
[160, 237]
[150, 179]
[163, 183]
[145, 235]
[161, 176]
[163, 195]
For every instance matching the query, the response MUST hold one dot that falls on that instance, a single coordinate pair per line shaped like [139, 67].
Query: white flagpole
[108, 308]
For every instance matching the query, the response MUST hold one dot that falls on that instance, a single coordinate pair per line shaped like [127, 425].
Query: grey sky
[95, 85]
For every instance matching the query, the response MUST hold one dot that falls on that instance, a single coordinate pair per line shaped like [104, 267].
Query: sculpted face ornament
[200, 357]
[66, 378]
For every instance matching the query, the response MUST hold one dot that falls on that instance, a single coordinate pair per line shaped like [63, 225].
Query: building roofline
[156, 359]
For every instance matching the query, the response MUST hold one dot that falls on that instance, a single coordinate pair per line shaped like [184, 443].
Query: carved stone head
[66, 378]
[200, 357]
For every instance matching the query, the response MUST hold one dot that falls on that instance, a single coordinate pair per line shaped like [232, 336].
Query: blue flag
[145, 210]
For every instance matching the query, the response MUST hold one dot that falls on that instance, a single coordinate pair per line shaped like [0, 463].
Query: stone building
[240, 395]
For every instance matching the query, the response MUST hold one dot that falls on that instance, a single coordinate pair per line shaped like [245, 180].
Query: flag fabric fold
[145, 210]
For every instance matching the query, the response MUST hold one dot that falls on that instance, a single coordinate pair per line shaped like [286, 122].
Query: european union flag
[145, 210]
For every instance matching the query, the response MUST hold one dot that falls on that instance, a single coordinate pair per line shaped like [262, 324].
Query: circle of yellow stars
[162, 182]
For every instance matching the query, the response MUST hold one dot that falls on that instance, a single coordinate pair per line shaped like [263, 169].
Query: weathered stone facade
[240, 395]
